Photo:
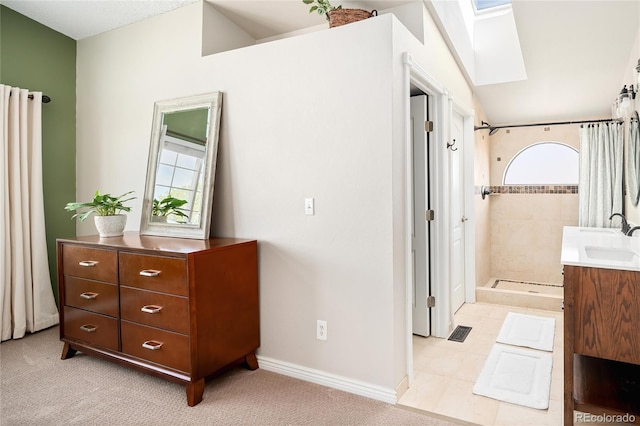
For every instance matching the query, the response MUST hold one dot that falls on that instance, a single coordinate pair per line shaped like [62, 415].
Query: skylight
[488, 4]
[486, 41]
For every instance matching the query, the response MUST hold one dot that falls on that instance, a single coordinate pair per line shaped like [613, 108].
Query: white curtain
[633, 160]
[600, 184]
[26, 297]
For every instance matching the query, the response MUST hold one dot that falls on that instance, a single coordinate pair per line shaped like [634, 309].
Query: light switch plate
[309, 206]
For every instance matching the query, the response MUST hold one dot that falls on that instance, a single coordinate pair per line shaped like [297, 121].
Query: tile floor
[445, 372]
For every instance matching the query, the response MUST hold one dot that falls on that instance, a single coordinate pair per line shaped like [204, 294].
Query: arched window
[543, 163]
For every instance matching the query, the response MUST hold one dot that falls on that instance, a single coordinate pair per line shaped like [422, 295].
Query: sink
[611, 254]
[606, 248]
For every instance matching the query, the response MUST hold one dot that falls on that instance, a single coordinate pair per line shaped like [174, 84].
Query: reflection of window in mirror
[181, 160]
[180, 174]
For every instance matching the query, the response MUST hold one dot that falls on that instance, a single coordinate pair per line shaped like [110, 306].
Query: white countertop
[606, 248]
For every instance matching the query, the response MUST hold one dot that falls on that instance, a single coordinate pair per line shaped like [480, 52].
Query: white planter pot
[110, 226]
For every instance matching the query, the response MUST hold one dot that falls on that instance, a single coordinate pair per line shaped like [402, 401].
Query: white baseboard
[379, 393]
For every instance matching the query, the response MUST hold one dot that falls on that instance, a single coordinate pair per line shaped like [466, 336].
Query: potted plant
[109, 222]
[166, 207]
[337, 15]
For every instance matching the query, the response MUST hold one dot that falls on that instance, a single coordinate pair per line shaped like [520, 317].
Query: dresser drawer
[91, 295]
[163, 274]
[155, 309]
[85, 262]
[92, 328]
[155, 345]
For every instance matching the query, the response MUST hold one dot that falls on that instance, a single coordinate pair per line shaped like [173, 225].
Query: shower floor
[522, 293]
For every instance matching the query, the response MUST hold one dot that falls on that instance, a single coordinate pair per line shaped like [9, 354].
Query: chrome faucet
[625, 224]
[630, 231]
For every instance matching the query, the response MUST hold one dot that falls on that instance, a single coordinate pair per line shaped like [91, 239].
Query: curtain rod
[45, 99]
[547, 124]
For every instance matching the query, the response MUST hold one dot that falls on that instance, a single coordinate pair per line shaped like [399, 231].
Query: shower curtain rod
[547, 124]
[45, 99]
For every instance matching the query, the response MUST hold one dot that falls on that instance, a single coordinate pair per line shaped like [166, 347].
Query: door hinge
[428, 126]
[429, 215]
[431, 302]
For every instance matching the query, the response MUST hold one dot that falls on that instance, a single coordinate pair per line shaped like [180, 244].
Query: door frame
[437, 98]
[440, 105]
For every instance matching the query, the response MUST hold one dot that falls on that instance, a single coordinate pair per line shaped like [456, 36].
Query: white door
[419, 226]
[458, 220]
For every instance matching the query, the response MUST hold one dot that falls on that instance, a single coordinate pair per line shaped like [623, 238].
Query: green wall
[38, 58]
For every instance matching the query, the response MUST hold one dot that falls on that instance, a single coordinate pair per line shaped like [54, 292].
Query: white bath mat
[516, 375]
[529, 331]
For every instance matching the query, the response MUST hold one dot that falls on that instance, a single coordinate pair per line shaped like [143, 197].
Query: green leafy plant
[320, 6]
[101, 205]
[167, 206]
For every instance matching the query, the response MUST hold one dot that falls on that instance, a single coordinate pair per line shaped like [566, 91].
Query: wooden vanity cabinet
[175, 308]
[601, 342]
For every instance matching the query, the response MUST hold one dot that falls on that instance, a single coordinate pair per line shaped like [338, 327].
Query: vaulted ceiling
[575, 52]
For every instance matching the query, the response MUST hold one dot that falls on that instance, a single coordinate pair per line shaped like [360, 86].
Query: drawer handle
[89, 328]
[151, 309]
[149, 273]
[88, 263]
[89, 295]
[152, 345]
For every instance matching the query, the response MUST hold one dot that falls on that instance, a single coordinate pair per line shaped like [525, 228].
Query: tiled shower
[519, 228]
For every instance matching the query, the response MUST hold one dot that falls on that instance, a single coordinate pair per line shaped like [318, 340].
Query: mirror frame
[632, 164]
[213, 101]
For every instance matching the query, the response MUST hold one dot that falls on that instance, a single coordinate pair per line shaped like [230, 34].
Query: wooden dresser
[176, 308]
[602, 345]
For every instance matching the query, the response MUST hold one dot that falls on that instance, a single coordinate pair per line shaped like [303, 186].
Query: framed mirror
[181, 169]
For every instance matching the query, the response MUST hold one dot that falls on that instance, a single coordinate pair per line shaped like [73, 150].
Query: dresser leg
[250, 361]
[67, 351]
[194, 392]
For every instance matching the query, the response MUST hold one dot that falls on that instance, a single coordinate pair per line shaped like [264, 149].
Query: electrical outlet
[321, 330]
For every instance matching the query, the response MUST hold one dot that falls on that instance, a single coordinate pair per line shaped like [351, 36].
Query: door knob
[464, 219]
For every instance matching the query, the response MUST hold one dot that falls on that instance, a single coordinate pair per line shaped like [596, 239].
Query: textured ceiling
[79, 19]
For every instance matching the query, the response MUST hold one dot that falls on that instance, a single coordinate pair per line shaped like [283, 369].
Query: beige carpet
[37, 388]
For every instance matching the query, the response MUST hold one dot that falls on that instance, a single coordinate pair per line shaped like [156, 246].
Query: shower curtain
[26, 297]
[600, 182]
[633, 160]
